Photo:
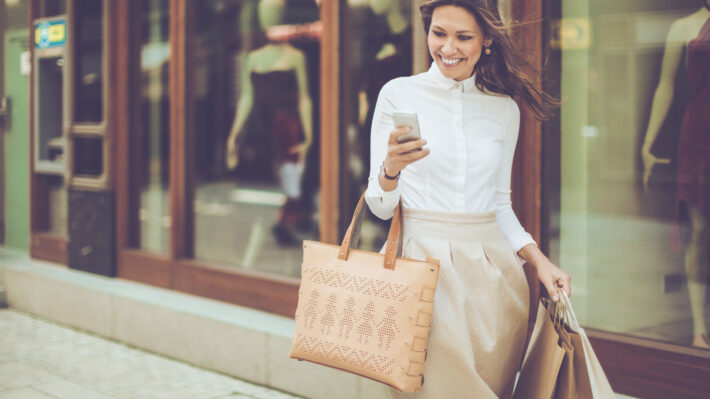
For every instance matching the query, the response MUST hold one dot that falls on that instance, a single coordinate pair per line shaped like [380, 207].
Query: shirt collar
[448, 83]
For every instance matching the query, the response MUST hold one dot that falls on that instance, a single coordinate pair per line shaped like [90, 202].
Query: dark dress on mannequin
[694, 142]
[274, 126]
[380, 71]
[377, 72]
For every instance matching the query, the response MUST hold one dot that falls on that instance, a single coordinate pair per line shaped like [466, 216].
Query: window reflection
[88, 58]
[631, 224]
[377, 41]
[151, 119]
[51, 8]
[255, 87]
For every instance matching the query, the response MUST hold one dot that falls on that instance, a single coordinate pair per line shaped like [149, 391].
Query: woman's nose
[448, 48]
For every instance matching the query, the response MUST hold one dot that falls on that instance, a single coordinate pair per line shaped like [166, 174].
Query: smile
[450, 61]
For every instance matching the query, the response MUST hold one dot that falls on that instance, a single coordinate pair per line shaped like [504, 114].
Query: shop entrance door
[15, 143]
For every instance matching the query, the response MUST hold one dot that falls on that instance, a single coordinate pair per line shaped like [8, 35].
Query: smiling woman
[454, 184]
[455, 42]
[502, 70]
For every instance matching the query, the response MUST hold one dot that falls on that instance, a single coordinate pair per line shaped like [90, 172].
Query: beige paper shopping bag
[543, 360]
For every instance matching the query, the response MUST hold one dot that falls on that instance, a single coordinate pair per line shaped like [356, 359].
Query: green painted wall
[17, 144]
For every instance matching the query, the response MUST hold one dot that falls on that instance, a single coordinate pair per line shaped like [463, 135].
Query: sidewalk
[42, 360]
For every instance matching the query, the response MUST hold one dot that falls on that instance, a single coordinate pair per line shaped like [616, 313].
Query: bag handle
[394, 237]
[569, 312]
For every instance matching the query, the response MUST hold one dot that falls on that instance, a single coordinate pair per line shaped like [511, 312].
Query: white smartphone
[407, 118]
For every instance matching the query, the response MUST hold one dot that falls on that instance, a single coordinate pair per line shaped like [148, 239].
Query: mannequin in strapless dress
[274, 98]
[693, 34]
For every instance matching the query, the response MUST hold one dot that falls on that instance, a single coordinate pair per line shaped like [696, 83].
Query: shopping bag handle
[568, 311]
[394, 237]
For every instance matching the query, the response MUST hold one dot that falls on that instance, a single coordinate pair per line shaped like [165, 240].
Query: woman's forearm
[385, 183]
[532, 254]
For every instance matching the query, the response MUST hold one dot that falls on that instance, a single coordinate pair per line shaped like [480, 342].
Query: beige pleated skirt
[481, 308]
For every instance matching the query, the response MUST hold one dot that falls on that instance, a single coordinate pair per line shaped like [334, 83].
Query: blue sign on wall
[51, 33]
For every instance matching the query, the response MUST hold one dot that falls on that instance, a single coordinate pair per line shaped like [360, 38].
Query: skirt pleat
[481, 305]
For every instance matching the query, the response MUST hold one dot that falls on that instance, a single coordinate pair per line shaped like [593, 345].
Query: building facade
[192, 145]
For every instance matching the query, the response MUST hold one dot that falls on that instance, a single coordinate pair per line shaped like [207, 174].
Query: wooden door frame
[44, 245]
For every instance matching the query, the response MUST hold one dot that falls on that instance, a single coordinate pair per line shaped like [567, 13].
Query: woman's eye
[463, 37]
[439, 34]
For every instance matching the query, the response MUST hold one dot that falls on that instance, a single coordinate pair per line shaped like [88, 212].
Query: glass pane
[255, 85]
[637, 252]
[377, 47]
[88, 61]
[16, 17]
[88, 156]
[151, 129]
[57, 207]
[51, 8]
[50, 143]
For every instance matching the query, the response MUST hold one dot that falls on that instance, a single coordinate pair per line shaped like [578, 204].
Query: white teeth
[451, 61]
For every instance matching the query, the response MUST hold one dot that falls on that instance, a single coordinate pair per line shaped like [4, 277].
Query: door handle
[5, 112]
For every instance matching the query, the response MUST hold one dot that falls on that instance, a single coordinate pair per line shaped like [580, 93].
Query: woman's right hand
[400, 155]
[649, 160]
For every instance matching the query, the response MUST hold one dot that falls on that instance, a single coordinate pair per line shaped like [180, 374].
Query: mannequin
[274, 78]
[387, 55]
[396, 22]
[693, 33]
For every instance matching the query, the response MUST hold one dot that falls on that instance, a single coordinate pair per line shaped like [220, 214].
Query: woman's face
[455, 41]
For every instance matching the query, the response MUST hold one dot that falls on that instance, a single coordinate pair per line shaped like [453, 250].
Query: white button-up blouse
[472, 137]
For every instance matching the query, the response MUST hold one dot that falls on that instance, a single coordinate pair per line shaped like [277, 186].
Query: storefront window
[253, 135]
[88, 82]
[633, 233]
[16, 14]
[151, 125]
[377, 47]
[51, 8]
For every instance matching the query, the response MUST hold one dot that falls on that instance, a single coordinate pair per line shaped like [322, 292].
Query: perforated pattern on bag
[363, 285]
[372, 332]
[388, 329]
[347, 319]
[366, 322]
[346, 355]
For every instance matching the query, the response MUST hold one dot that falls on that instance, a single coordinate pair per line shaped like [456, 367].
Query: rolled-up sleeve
[382, 203]
[507, 220]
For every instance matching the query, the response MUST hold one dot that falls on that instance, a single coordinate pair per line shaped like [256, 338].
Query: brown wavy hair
[504, 71]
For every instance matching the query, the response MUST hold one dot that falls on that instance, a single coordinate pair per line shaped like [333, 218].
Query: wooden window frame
[635, 366]
[177, 270]
[46, 245]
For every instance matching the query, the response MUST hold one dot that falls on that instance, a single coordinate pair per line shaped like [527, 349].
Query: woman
[455, 187]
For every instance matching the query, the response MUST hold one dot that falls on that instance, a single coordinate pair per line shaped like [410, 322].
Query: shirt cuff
[381, 203]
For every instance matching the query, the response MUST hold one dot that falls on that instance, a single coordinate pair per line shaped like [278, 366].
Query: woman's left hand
[553, 278]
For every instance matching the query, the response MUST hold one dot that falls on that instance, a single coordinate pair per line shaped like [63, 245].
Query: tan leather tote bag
[364, 312]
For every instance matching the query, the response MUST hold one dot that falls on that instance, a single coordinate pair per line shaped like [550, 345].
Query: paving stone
[63, 389]
[23, 393]
[18, 375]
[40, 359]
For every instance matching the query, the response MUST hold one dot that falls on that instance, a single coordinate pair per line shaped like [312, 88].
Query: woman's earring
[488, 51]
